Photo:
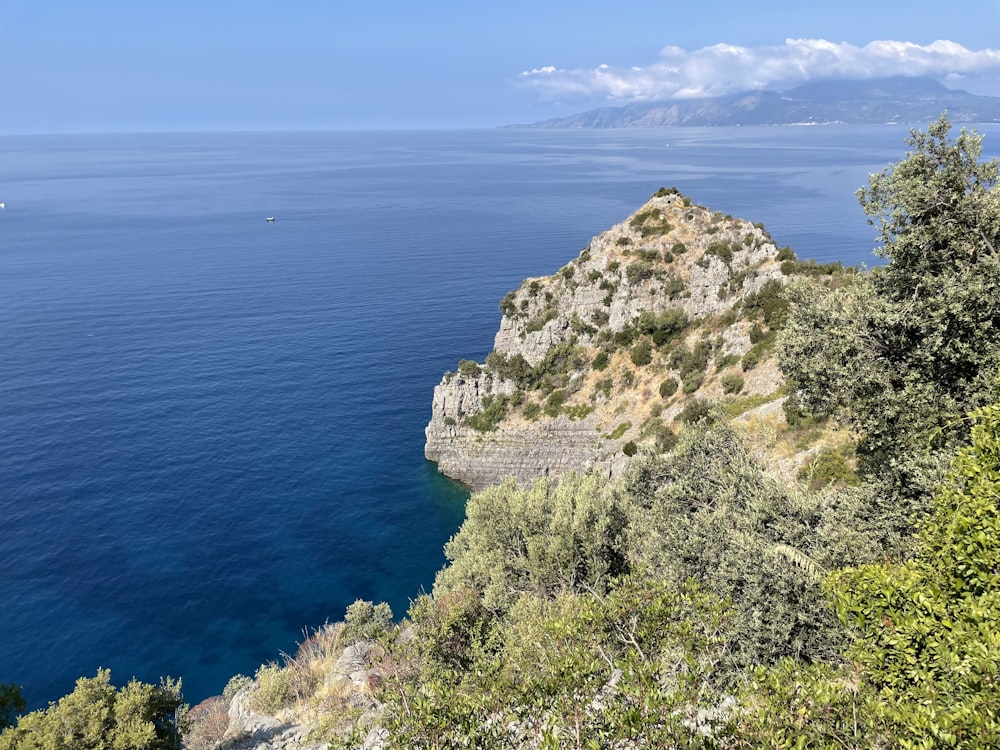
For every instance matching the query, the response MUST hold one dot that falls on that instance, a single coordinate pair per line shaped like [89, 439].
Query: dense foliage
[924, 671]
[98, 716]
[11, 703]
[709, 512]
[543, 540]
[903, 352]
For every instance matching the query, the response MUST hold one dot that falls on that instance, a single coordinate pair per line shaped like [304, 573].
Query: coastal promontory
[674, 307]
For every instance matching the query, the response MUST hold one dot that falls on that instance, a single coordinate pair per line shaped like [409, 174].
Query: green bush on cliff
[492, 414]
[922, 672]
[545, 539]
[642, 353]
[709, 511]
[545, 674]
[99, 716]
[732, 382]
[668, 387]
[903, 352]
[468, 368]
[365, 620]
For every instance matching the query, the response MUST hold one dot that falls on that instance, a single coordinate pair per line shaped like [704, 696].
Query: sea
[211, 424]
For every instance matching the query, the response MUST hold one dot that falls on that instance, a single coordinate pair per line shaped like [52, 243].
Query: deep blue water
[211, 427]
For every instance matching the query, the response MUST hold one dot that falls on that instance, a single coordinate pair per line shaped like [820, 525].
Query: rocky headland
[672, 308]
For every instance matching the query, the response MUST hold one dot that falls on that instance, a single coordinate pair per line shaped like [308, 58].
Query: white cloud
[727, 68]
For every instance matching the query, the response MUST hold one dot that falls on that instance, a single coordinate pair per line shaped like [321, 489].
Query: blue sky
[129, 65]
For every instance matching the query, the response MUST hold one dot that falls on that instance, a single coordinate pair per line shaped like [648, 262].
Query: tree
[924, 670]
[928, 636]
[97, 716]
[901, 353]
[709, 512]
[11, 703]
[565, 536]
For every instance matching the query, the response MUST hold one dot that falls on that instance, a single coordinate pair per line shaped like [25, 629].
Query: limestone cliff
[673, 306]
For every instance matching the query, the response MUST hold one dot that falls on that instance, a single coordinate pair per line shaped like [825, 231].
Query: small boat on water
[269, 218]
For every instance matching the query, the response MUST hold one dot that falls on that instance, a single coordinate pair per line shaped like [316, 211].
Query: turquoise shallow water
[211, 427]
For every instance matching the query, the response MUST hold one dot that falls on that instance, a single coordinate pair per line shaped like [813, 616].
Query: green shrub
[768, 302]
[98, 716]
[722, 250]
[273, 689]
[514, 367]
[508, 305]
[650, 222]
[639, 270]
[690, 361]
[630, 448]
[754, 357]
[668, 387]
[538, 322]
[11, 703]
[829, 467]
[620, 430]
[365, 620]
[493, 412]
[732, 383]
[600, 362]
[577, 326]
[666, 439]
[549, 538]
[642, 353]
[662, 327]
[673, 286]
[679, 248]
[692, 382]
[531, 410]
[578, 412]
[468, 368]
[625, 337]
[604, 386]
[695, 410]
[553, 404]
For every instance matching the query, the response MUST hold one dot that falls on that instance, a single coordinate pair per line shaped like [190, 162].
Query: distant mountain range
[868, 102]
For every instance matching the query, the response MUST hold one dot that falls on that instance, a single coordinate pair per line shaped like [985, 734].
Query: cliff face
[656, 313]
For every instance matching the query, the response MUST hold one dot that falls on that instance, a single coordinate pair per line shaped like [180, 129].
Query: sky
[129, 65]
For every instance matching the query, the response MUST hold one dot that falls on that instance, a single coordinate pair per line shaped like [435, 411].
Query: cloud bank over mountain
[726, 68]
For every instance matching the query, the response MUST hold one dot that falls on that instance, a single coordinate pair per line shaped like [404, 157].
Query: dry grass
[208, 723]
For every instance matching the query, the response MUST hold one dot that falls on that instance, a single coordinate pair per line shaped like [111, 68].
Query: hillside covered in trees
[700, 599]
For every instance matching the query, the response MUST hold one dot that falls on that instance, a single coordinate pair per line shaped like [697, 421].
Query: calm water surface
[211, 427]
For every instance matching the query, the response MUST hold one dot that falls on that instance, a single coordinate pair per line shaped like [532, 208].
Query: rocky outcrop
[568, 385]
[237, 723]
[549, 447]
